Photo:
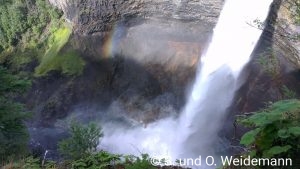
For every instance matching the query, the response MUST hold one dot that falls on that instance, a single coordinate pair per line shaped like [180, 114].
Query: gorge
[166, 78]
[161, 33]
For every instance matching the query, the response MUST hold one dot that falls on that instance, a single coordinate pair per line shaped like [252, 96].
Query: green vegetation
[69, 62]
[80, 152]
[31, 163]
[287, 93]
[133, 162]
[34, 30]
[25, 26]
[83, 141]
[13, 133]
[25, 20]
[269, 63]
[81, 148]
[276, 131]
[297, 17]
[101, 160]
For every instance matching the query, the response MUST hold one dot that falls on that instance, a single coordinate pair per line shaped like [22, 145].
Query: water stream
[194, 132]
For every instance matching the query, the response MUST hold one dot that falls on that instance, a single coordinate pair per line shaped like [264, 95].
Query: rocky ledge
[91, 16]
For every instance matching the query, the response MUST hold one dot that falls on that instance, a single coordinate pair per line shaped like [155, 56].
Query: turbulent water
[194, 132]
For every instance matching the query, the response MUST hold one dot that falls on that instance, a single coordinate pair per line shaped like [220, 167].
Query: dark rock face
[91, 16]
[137, 52]
[141, 57]
[287, 30]
[265, 83]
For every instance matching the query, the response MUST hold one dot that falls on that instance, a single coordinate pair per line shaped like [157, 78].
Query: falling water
[217, 79]
[44, 158]
[194, 133]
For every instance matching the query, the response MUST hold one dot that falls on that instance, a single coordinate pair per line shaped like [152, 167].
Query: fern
[100, 160]
[287, 93]
[134, 162]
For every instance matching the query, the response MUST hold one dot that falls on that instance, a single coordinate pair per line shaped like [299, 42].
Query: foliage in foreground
[133, 162]
[80, 148]
[80, 152]
[104, 160]
[276, 131]
[99, 160]
[13, 132]
[83, 141]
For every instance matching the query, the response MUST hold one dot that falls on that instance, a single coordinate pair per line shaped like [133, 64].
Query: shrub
[30, 163]
[100, 160]
[13, 132]
[18, 17]
[133, 162]
[269, 63]
[69, 62]
[83, 141]
[25, 25]
[276, 130]
[287, 93]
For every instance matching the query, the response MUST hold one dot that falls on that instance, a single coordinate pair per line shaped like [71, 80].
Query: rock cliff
[287, 31]
[163, 39]
[141, 56]
[150, 47]
[275, 62]
[91, 16]
[274, 72]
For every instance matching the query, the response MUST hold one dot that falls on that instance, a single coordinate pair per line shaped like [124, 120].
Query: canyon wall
[91, 16]
[141, 56]
[287, 31]
[274, 72]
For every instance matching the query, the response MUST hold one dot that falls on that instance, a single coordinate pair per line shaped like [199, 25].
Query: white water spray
[195, 131]
[233, 42]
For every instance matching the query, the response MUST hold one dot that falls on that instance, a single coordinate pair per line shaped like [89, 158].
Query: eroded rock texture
[141, 54]
[274, 68]
[100, 15]
[141, 57]
[287, 31]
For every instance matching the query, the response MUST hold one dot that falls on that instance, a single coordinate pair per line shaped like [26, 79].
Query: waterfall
[194, 132]
[233, 41]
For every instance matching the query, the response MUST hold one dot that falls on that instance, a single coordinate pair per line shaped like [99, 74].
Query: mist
[194, 130]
